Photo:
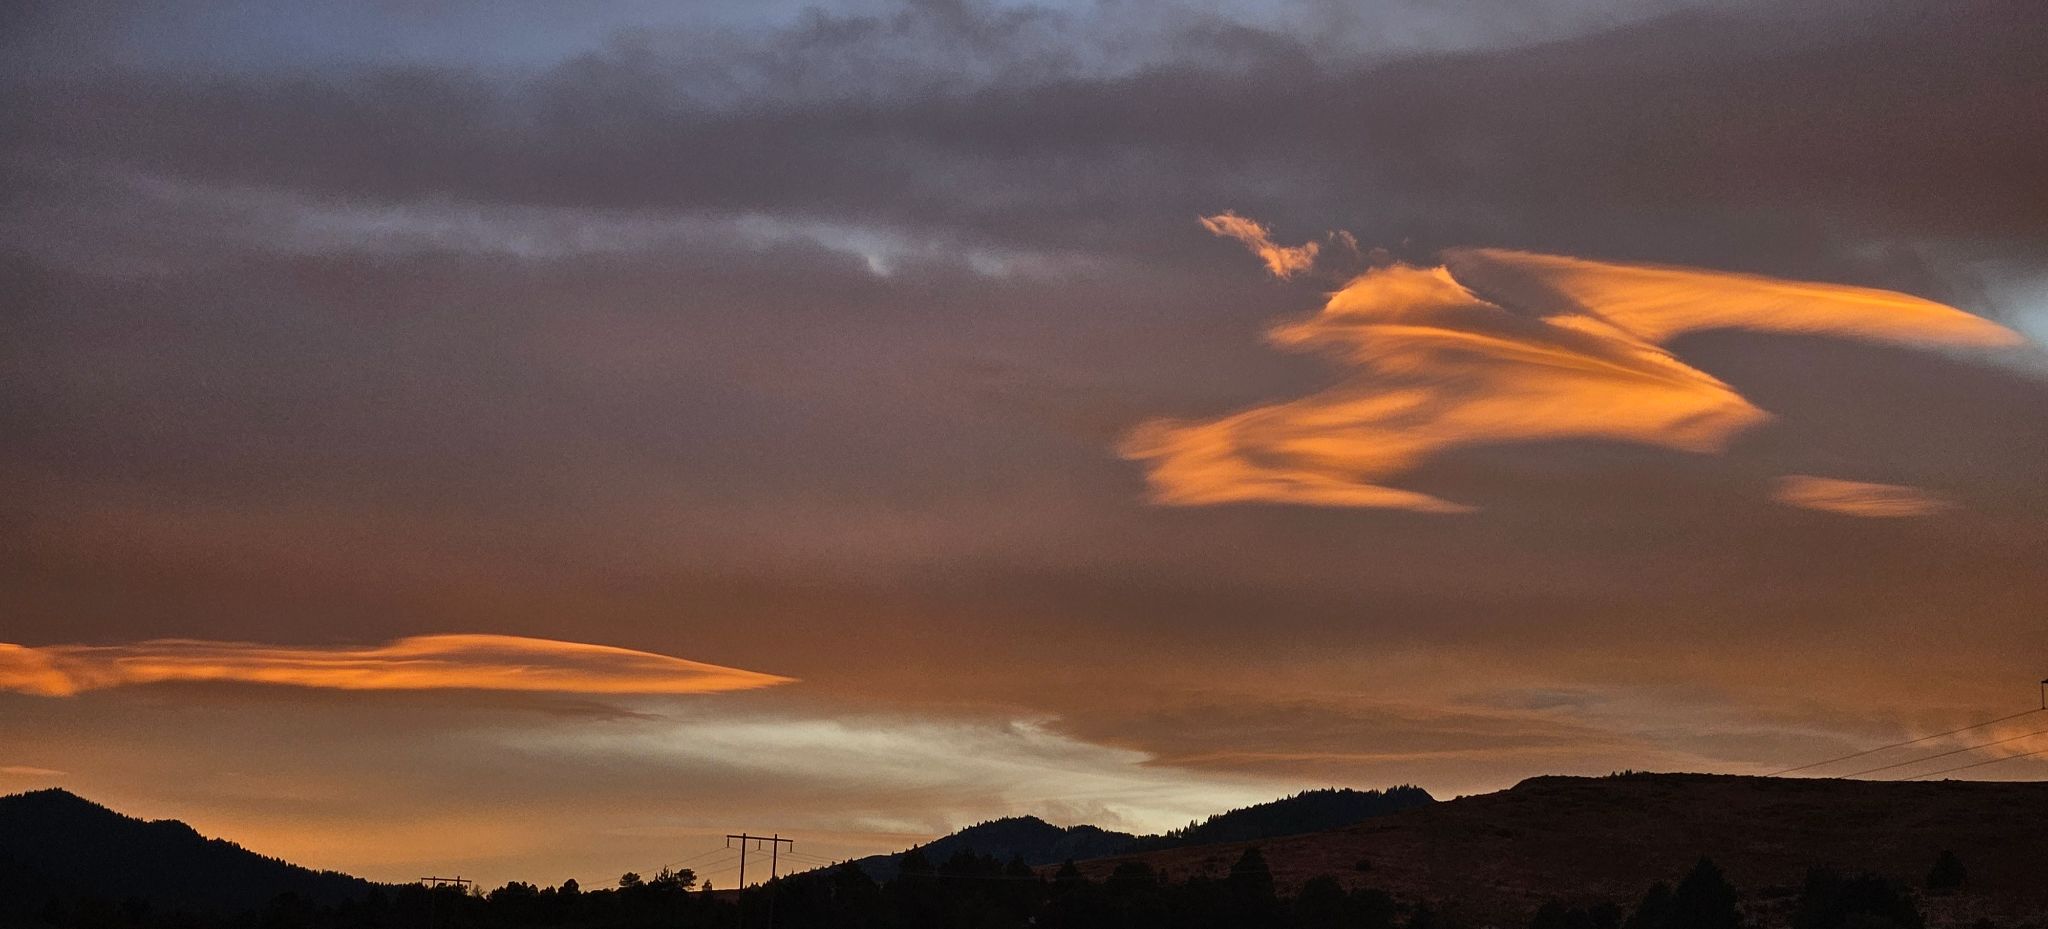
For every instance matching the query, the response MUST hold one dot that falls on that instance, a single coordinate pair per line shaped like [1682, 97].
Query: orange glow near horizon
[432, 662]
[1560, 348]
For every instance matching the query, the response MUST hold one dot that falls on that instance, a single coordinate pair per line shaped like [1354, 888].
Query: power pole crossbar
[775, 844]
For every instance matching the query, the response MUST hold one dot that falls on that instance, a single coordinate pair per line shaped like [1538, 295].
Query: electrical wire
[1976, 764]
[701, 856]
[1957, 751]
[1917, 741]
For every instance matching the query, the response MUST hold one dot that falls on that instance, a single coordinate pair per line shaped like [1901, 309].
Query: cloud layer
[1560, 348]
[431, 662]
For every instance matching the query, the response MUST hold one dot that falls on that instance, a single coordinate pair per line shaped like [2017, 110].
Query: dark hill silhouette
[56, 844]
[1027, 837]
[1038, 842]
[1308, 811]
[1501, 855]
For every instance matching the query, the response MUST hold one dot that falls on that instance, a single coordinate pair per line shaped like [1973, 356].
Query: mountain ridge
[1589, 839]
[1037, 842]
[54, 843]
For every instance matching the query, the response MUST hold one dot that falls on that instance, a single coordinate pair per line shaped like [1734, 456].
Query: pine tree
[1705, 900]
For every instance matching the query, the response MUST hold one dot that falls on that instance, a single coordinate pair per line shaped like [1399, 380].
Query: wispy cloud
[1284, 261]
[958, 770]
[1558, 348]
[434, 662]
[1857, 498]
[22, 770]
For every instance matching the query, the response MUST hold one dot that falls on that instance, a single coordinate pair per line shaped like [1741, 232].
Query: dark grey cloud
[1761, 138]
[864, 46]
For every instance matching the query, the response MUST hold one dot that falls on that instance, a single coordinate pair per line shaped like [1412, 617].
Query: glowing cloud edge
[416, 663]
[1495, 347]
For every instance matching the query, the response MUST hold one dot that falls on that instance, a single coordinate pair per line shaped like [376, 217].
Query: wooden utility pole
[775, 843]
[433, 884]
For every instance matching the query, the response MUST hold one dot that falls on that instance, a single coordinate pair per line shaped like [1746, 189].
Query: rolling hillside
[1497, 857]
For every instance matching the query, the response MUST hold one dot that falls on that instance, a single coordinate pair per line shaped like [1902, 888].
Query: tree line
[973, 891]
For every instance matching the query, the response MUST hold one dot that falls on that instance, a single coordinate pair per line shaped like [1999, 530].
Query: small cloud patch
[1858, 498]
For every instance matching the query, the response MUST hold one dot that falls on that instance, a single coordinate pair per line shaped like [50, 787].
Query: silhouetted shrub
[1868, 901]
[1704, 900]
[1948, 872]
[1555, 915]
[1654, 912]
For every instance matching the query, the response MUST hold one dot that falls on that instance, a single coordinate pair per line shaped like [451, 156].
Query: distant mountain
[1038, 842]
[54, 844]
[1499, 856]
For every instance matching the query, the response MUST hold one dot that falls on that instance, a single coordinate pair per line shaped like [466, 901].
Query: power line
[1957, 751]
[811, 861]
[1976, 764]
[1917, 741]
[702, 856]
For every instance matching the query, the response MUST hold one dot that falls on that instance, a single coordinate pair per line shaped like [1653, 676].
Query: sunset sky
[533, 440]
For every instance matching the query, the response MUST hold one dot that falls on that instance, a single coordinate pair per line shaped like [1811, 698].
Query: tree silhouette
[1555, 915]
[1947, 873]
[1704, 900]
[674, 880]
[1250, 874]
[1132, 876]
[1252, 901]
[1868, 901]
[1654, 912]
[1323, 904]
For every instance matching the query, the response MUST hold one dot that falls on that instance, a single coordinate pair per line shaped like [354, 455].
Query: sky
[533, 441]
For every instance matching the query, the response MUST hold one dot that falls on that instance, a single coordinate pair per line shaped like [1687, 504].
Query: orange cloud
[1856, 498]
[22, 770]
[1657, 303]
[1284, 261]
[1559, 348]
[434, 662]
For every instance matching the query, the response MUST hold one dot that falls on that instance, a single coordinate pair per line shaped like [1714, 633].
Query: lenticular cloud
[1558, 348]
[433, 662]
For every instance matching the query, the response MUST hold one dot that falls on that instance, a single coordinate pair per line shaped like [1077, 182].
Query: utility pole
[775, 843]
[433, 886]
